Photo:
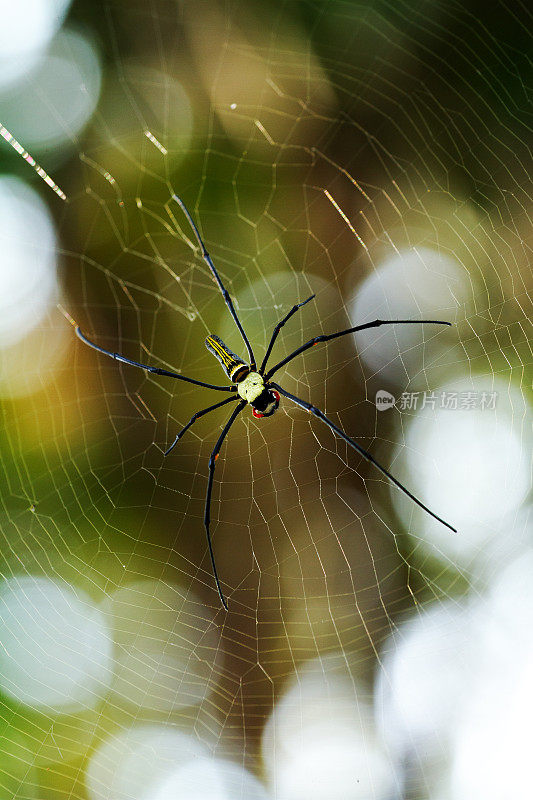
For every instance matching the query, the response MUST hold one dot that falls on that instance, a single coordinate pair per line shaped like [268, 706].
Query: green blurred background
[376, 154]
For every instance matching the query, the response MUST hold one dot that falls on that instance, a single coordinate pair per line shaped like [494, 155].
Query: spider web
[376, 156]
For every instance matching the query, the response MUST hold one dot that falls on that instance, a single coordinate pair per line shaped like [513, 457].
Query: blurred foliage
[424, 102]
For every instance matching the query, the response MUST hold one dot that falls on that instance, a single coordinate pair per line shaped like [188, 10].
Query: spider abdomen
[234, 367]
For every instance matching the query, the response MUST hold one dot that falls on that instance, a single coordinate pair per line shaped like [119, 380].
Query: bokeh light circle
[52, 108]
[27, 260]
[490, 757]
[56, 648]
[210, 778]
[136, 764]
[167, 646]
[416, 283]
[469, 465]
[430, 650]
[320, 741]
[27, 28]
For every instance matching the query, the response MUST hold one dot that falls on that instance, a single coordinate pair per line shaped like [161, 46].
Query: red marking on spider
[257, 414]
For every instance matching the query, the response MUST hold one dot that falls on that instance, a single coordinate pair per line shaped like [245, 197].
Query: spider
[255, 387]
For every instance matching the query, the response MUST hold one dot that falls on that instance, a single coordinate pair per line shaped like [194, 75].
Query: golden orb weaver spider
[254, 387]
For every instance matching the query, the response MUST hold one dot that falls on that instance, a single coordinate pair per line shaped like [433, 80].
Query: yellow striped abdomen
[235, 368]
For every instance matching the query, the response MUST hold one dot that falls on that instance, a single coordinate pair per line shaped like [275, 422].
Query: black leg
[325, 338]
[225, 294]
[359, 449]
[207, 515]
[155, 370]
[197, 416]
[277, 329]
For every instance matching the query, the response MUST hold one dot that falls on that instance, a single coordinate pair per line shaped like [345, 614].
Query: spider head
[266, 403]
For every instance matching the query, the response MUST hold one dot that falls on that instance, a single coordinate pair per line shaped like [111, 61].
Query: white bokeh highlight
[416, 283]
[425, 673]
[56, 648]
[320, 741]
[138, 763]
[210, 779]
[470, 466]
[166, 646]
[59, 97]
[28, 283]
[492, 748]
[454, 698]
[26, 30]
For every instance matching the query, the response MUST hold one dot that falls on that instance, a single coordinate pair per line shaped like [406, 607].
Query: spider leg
[318, 413]
[277, 329]
[325, 338]
[207, 515]
[195, 417]
[155, 370]
[225, 294]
